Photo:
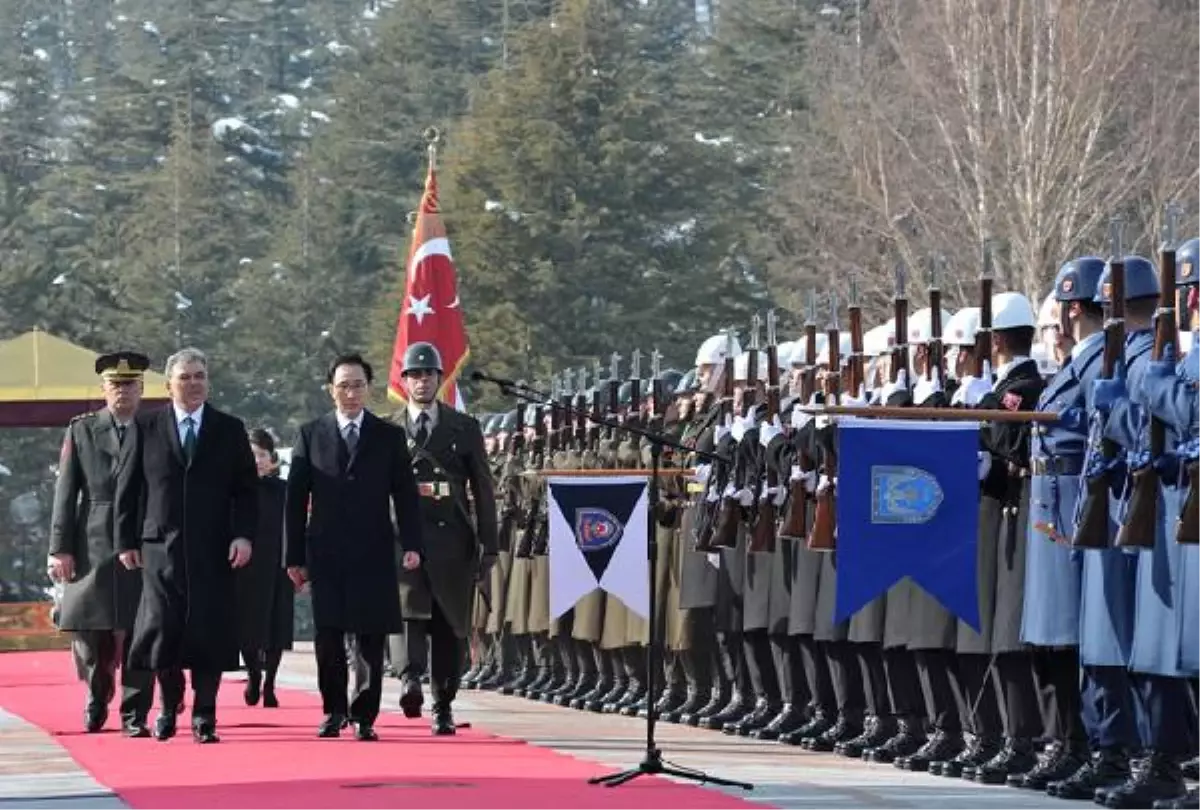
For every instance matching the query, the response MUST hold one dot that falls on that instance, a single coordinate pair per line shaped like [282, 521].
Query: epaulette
[80, 417]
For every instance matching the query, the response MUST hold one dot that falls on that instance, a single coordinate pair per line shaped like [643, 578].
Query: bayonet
[568, 378]
[989, 270]
[900, 274]
[655, 364]
[635, 364]
[1170, 225]
[1116, 236]
[770, 327]
[833, 311]
[812, 307]
[614, 367]
[755, 325]
[853, 303]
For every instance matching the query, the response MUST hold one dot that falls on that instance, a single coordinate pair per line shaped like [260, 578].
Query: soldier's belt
[1059, 465]
[434, 489]
[695, 488]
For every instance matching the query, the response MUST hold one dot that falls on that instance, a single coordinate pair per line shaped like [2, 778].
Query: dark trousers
[259, 661]
[1056, 675]
[760, 666]
[431, 645]
[99, 654]
[979, 704]
[814, 659]
[1109, 718]
[1018, 695]
[333, 673]
[938, 672]
[903, 684]
[845, 673]
[1166, 718]
[205, 686]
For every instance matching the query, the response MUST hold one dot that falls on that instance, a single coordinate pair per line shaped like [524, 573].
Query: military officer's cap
[1187, 263]
[1078, 279]
[122, 365]
[1141, 280]
[421, 357]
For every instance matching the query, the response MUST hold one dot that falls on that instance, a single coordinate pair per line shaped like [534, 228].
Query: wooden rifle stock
[824, 529]
[983, 336]
[795, 523]
[1092, 530]
[762, 539]
[935, 359]
[1139, 528]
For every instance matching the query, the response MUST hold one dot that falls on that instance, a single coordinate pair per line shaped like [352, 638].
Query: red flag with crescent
[430, 311]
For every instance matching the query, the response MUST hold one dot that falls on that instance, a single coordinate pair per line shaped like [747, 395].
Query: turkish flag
[430, 311]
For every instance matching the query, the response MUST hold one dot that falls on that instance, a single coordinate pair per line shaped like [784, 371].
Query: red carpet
[271, 758]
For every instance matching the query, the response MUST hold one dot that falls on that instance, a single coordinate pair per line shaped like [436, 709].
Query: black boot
[737, 707]
[253, 689]
[845, 729]
[758, 718]
[1016, 758]
[1158, 779]
[1105, 769]
[672, 697]
[718, 698]
[1056, 763]
[907, 740]
[273, 658]
[976, 752]
[942, 746]
[635, 690]
[878, 731]
[818, 724]
[785, 721]
[617, 688]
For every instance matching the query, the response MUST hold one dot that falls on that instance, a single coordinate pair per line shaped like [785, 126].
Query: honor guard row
[1081, 679]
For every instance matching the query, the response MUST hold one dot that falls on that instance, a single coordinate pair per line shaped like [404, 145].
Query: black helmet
[670, 380]
[422, 357]
[687, 383]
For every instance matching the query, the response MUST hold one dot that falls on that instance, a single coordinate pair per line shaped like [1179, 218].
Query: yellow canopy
[39, 367]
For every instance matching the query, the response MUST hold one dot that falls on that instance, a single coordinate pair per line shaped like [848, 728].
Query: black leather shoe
[331, 726]
[94, 718]
[1107, 768]
[737, 708]
[135, 729]
[253, 689]
[976, 752]
[786, 720]
[411, 699]
[1016, 758]
[717, 699]
[443, 723]
[692, 702]
[584, 683]
[164, 726]
[205, 733]
[365, 733]
[618, 688]
[764, 711]
[270, 701]
[874, 736]
[818, 724]
[845, 729]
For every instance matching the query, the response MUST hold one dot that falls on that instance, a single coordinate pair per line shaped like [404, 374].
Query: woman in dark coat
[264, 592]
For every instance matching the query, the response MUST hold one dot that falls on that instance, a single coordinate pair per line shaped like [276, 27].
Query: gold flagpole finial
[433, 137]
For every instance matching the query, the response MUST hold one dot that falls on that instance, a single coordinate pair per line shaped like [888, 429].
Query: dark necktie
[120, 434]
[189, 438]
[422, 429]
[351, 437]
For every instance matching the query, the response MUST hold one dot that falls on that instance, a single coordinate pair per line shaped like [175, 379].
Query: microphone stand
[652, 760]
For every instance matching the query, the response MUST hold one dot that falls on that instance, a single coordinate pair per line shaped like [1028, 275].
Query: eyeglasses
[350, 385]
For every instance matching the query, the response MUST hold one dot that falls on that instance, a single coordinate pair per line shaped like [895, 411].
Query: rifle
[634, 414]
[529, 529]
[935, 359]
[795, 524]
[855, 364]
[823, 536]
[1139, 528]
[1091, 530]
[983, 336]
[721, 471]
[900, 358]
[763, 537]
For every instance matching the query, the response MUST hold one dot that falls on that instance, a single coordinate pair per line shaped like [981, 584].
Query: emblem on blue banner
[596, 529]
[903, 494]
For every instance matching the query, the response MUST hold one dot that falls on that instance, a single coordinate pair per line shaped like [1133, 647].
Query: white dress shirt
[197, 417]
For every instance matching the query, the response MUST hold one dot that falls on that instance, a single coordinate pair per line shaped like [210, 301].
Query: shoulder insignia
[81, 416]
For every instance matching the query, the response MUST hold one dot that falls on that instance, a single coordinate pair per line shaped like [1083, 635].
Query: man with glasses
[350, 474]
[100, 596]
[458, 513]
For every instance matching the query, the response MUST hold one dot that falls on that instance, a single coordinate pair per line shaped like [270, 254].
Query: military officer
[100, 596]
[452, 474]
[1167, 722]
[1050, 621]
[1107, 589]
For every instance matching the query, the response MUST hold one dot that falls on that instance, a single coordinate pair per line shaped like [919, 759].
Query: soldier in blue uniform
[1165, 726]
[1167, 723]
[1108, 586]
[1050, 620]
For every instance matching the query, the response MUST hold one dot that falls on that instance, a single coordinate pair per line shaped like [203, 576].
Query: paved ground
[35, 772]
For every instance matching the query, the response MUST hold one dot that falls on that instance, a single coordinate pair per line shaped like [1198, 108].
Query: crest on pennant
[903, 494]
[596, 529]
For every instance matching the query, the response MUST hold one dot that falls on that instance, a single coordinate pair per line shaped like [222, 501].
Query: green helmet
[687, 383]
[421, 357]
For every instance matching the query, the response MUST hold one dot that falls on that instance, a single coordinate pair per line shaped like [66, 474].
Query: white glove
[926, 388]
[744, 497]
[975, 389]
[898, 384]
[960, 393]
[769, 431]
[985, 464]
[740, 425]
[800, 418]
[702, 473]
[809, 478]
[825, 484]
[859, 401]
[723, 430]
[780, 494]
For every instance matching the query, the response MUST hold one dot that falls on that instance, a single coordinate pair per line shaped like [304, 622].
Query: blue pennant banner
[907, 505]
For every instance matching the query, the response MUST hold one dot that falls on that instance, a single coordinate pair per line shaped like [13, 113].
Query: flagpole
[652, 760]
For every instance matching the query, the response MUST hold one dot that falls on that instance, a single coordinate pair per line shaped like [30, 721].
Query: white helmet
[843, 349]
[920, 326]
[741, 366]
[1012, 310]
[714, 350]
[961, 328]
[880, 339]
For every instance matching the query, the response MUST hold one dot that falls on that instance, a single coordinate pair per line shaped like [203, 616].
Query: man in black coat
[100, 596]
[187, 508]
[458, 511]
[349, 471]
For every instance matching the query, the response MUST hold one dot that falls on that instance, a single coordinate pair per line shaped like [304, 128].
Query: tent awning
[39, 367]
